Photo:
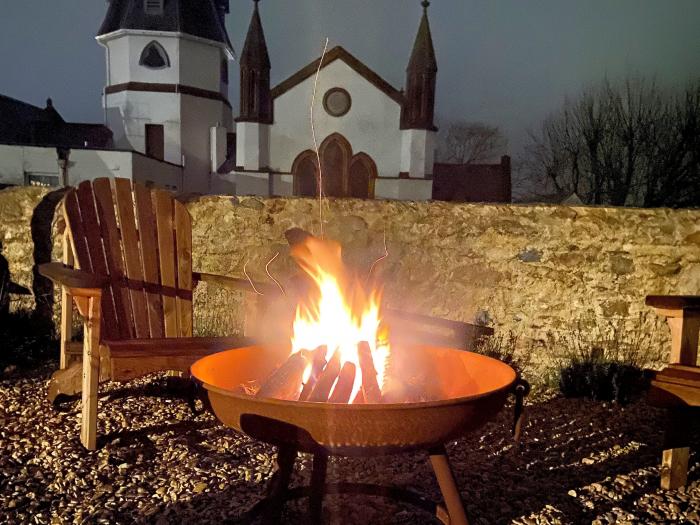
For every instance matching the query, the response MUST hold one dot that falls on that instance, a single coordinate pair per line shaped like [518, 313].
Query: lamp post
[63, 156]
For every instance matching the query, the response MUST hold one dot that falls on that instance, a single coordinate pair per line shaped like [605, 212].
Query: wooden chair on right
[677, 387]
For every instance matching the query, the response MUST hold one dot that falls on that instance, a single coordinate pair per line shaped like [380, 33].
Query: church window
[154, 56]
[153, 7]
[337, 102]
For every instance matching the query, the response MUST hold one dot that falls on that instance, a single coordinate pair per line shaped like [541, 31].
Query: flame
[339, 311]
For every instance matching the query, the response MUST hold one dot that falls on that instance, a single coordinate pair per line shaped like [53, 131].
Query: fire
[338, 311]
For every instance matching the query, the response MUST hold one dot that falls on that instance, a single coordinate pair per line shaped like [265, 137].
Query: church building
[168, 121]
[374, 140]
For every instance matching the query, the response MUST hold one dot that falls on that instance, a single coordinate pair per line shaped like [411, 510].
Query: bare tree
[622, 144]
[471, 142]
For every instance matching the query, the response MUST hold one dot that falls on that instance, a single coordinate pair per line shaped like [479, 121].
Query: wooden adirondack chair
[132, 283]
[677, 387]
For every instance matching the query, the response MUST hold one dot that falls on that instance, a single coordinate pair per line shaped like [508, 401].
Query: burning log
[318, 363]
[325, 381]
[370, 386]
[285, 382]
[343, 388]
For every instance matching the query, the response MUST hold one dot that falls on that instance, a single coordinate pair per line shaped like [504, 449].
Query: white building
[166, 91]
[374, 140]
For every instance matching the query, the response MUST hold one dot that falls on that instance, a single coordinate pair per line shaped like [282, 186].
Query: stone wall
[529, 269]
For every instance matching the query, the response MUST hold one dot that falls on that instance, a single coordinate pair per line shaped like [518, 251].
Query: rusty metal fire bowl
[473, 389]
[472, 398]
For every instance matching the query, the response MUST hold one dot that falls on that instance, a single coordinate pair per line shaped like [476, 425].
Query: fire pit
[476, 393]
[349, 384]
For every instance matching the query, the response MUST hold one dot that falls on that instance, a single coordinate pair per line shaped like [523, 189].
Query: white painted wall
[250, 183]
[85, 164]
[89, 164]
[128, 112]
[252, 145]
[217, 147]
[417, 152]
[18, 161]
[403, 189]
[124, 52]
[200, 64]
[193, 62]
[161, 174]
[371, 125]
[12, 164]
[198, 116]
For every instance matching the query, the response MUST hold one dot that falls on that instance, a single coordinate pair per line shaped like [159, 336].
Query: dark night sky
[505, 62]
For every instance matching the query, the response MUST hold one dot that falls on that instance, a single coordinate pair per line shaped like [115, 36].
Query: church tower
[418, 111]
[253, 123]
[166, 93]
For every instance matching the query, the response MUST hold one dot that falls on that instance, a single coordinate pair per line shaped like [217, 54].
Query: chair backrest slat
[113, 252]
[132, 255]
[77, 233]
[149, 253]
[96, 249]
[141, 240]
[183, 258]
[166, 258]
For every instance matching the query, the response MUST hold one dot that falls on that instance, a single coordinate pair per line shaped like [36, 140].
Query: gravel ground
[580, 462]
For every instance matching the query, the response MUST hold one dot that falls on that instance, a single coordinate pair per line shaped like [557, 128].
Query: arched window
[154, 56]
[305, 175]
[333, 160]
[361, 175]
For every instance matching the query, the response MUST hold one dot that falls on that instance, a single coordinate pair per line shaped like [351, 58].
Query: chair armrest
[79, 281]
[235, 283]
[673, 302]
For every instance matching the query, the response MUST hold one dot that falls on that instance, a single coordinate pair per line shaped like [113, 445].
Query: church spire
[256, 103]
[421, 75]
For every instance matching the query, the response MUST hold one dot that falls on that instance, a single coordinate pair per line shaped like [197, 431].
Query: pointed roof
[255, 49]
[339, 53]
[198, 18]
[423, 54]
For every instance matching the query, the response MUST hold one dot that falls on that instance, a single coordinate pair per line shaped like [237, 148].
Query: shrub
[604, 360]
[503, 346]
[26, 340]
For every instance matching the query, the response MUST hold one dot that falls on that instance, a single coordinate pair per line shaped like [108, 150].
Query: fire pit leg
[448, 486]
[318, 487]
[279, 484]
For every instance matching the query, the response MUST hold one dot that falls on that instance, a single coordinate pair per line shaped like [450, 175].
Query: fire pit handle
[520, 390]
[197, 391]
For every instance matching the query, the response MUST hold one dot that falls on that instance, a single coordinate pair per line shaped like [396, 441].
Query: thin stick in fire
[386, 254]
[267, 271]
[245, 272]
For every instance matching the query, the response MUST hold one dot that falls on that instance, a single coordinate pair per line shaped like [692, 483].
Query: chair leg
[674, 461]
[91, 373]
[66, 327]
